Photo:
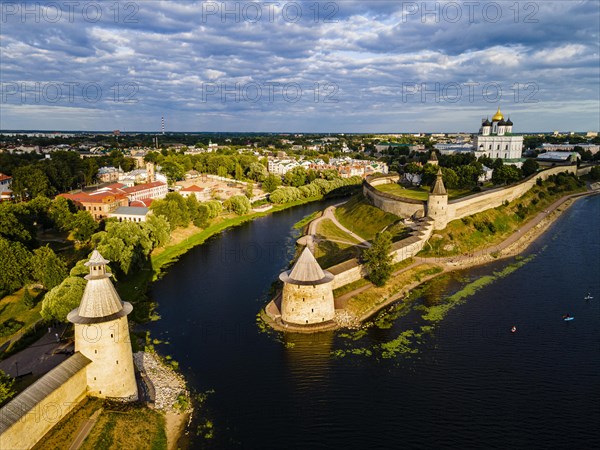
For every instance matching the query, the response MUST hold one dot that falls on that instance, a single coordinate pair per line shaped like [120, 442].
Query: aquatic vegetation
[400, 345]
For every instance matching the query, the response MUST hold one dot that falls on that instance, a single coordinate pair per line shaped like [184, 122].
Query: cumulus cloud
[349, 66]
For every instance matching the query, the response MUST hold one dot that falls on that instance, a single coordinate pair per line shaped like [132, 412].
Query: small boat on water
[567, 317]
[588, 297]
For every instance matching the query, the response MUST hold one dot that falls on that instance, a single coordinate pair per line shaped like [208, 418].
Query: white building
[495, 139]
[130, 214]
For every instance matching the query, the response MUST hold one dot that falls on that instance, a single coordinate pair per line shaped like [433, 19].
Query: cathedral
[496, 139]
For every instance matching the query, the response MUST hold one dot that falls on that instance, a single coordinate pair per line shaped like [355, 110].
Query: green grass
[329, 230]
[418, 193]
[492, 226]
[307, 219]
[415, 193]
[12, 307]
[118, 426]
[362, 218]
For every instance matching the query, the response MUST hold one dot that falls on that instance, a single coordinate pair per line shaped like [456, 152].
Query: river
[471, 383]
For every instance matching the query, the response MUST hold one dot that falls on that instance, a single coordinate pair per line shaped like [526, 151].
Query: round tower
[307, 296]
[102, 335]
[437, 203]
[486, 127]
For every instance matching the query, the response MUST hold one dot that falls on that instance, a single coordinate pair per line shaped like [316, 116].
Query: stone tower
[437, 203]
[433, 159]
[102, 335]
[150, 176]
[307, 296]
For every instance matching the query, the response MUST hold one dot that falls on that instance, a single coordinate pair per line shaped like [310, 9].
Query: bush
[238, 204]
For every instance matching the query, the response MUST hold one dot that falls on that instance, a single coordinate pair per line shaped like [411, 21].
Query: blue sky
[346, 66]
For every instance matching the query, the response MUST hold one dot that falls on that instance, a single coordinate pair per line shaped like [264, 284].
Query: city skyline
[339, 67]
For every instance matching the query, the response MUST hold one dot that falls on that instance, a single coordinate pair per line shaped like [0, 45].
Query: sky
[300, 66]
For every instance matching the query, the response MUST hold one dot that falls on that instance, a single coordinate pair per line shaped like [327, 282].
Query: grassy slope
[492, 226]
[330, 253]
[363, 219]
[418, 193]
[12, 307]
[127, 426]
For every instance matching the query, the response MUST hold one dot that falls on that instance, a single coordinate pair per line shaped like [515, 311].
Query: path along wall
[31, 414]
[351, 270]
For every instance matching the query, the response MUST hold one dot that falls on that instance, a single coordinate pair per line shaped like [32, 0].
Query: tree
[16, 223]
[239, 172]
[173, 208]
[29, 182]
[295, 177]
[506, 175]
[257, 172]
[83, 226]
[530, 166]
[238, 204]
[271, 183]
[6, 390]
[173, 170]
[47, 267]
[159, 230]
[63, 299]
[28, 299]
[61, 213]
[14, 266]
[378, 259]
[128, 244]
[595, 173]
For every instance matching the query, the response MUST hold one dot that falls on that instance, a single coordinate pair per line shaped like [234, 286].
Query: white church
[495, 139]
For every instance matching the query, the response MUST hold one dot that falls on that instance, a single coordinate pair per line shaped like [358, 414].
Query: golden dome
[498, 116]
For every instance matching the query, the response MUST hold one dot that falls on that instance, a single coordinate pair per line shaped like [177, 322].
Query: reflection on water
[472, 384]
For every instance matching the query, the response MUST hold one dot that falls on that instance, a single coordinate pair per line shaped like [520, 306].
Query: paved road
[39, 357]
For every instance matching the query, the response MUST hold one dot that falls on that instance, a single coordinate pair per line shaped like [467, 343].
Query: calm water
[472, 384]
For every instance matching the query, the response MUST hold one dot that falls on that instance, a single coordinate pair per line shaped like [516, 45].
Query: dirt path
[329, 213]
[84, 429]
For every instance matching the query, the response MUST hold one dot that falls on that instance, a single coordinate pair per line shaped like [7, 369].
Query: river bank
[509, 247]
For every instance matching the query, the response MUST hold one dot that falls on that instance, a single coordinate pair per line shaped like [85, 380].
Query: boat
[513, 329]
[567, 317]
[588, 297]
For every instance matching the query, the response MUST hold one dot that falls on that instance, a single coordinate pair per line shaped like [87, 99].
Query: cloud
[336, 66]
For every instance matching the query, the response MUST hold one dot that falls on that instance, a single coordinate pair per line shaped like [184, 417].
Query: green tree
[530, 166]
[15, 269]
[159, 230]
[128, 244]
[506, 175]
[378, 260]
[16, 223]
[6, 387]
[173, 170]
[173, 208]
[47, 267]
[239, 172]
[63, 298]
[257, 172]
[295, 177]
[271, 183]
[83, 226]
[595, 173]
[238, 204]
[62, 213]
[29, 182]
[28, 299]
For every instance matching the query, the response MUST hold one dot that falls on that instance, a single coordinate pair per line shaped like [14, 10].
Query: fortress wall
[306, 305]
[36, 419]
[402, 207]
[344, 275]
[474, 204]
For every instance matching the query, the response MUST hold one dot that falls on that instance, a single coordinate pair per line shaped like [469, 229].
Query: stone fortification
[307, 296]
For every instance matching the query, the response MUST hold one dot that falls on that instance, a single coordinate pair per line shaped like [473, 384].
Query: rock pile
[168, 384]
[346, 319]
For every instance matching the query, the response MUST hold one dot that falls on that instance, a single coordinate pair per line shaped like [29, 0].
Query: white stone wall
[306, 305]
[108, 345]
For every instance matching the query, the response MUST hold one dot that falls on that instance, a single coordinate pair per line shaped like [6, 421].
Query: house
[130, 214]
[98, 203]
[201, 194]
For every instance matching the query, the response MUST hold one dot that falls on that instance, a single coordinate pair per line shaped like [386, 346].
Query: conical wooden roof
[306, 271]
[100, 301]
[438, 187]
